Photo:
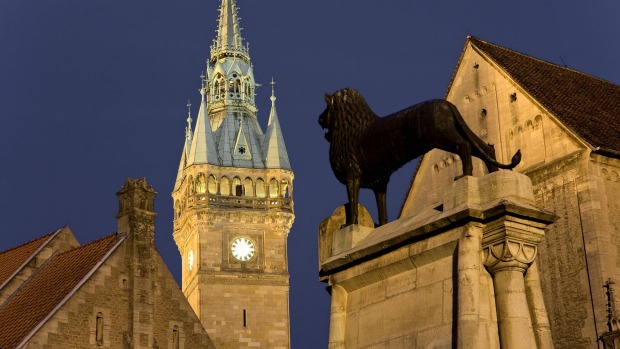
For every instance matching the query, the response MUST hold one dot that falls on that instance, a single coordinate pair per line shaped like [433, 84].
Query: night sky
[92, 92]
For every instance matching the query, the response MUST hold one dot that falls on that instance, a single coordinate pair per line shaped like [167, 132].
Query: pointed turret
[203, 150]
[182, 165]
[275, 154]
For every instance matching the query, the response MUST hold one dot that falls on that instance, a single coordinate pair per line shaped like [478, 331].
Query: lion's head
[346, 110]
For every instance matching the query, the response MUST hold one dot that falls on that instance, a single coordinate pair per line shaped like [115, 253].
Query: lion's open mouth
[328, 134]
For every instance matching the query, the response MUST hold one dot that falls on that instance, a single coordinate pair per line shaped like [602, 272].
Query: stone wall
[580, 252]
[107, 292]
[463, 276]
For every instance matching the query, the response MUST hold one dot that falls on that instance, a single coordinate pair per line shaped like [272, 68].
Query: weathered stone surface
[581, 250]
[421, 280]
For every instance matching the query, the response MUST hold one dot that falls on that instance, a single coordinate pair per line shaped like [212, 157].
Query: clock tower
[233, 205]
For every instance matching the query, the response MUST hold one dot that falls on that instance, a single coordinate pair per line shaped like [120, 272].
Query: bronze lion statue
[366, 149]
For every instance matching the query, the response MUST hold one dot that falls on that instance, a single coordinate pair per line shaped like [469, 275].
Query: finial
[188, 129]
[203, 90]
[273, 92]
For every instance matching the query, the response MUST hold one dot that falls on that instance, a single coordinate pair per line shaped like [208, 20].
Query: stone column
[540, 320]
[468, 290]
[337, 320]
[510, 247]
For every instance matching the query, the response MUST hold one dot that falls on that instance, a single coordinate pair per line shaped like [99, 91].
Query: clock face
[190, 259]
[242, 249]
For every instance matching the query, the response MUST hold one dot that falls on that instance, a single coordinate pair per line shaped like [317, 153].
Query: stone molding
[246, 280]
[509, 253]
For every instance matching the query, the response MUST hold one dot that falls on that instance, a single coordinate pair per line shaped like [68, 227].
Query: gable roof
[587, 105]
[49, 288]
[14, 259]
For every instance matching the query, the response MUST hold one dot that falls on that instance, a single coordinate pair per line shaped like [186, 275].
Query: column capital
[511, 243]
[509, 254]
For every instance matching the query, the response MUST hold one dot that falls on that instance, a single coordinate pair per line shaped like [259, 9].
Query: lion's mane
[349, 118]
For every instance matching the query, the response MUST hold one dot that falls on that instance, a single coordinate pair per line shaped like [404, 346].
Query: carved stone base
[349, 237]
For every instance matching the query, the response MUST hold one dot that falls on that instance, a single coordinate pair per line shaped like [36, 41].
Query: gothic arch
[212, 185]
[201, 184]
[260, 188]
[224, 186]
[273, 188]
[191, 188]
[285, 190]
[248, 186]
[237, 187]
[177, 209]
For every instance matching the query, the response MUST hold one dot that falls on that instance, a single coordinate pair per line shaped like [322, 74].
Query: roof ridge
[30, 278]
[33, 240]
[118, 236]
[474, 39]
[70, 270]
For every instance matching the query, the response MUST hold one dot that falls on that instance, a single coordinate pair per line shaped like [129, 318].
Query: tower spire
[229, 42]
[275, 153]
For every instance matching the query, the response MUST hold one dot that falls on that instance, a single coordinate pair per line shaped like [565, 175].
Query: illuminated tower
[233, 206]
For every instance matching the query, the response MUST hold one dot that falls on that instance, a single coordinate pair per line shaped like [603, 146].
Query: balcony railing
[239, 202]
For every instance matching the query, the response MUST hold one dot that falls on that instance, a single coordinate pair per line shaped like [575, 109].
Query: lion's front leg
[353, 189]
[380, 189]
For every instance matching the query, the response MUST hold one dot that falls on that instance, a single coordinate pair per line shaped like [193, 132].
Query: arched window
[201, 185]
[175, 337]
[260, 188]
[237, 187]
[191, 186]
[212, 185]
[273, 188]
[284, 189]
[99, 329]
[177, 208]
[220, 85]
[248, 187]
[225, 186]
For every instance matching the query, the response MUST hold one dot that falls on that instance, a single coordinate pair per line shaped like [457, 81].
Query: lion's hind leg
[353, 189]
[463, 150]
[490, 150]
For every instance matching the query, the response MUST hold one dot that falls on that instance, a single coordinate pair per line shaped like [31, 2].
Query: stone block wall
[107, 292]
[463, 276]
[245, 313]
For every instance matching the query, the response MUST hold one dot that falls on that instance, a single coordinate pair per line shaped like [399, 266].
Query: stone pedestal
[349, 237]
[450, 278]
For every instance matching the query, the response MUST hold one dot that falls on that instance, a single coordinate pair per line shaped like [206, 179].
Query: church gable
[98, 314]
[501, 112]
[38, 299]
[19, 263]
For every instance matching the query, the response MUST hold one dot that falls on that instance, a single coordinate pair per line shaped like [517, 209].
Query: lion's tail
[475, 141]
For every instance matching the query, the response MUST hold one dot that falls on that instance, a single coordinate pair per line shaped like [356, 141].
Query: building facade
[567, 125]
[233, 206]
[115, 292]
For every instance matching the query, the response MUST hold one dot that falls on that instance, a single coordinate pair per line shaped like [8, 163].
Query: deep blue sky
[92, 92]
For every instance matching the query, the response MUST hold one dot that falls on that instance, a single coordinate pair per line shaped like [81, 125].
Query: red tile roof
[587, 105]
[47, 289]
[13, 259]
